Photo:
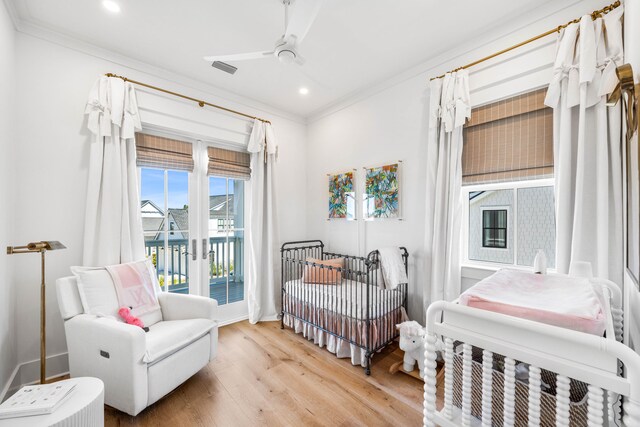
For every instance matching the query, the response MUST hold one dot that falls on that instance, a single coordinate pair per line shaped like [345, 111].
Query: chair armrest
[112, 351]
[108, 332]
[181, 307]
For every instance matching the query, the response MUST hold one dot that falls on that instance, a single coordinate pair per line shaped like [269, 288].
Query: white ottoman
[84, 407]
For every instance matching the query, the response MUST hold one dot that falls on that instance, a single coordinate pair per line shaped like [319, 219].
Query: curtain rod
[200, 102]
[594, 15]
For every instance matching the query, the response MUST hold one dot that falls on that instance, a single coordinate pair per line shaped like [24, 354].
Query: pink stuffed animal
[125, 313]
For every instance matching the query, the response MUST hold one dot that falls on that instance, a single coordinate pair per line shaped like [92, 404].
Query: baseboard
[28, 373]
[234, 320]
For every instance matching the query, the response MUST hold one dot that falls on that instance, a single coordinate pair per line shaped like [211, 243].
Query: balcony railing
[226, 266]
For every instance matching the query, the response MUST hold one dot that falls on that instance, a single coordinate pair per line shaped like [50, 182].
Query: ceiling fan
[303, 14]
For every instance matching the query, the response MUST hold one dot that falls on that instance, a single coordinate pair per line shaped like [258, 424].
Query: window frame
[504, 209]
[507, 185]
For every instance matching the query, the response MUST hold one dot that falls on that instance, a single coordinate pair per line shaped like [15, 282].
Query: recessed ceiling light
[303, 91]
[111, 6]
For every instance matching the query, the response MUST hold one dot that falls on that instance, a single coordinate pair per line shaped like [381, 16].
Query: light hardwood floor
[267, 376]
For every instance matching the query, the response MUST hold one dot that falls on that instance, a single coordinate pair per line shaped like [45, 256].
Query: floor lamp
[41, 247]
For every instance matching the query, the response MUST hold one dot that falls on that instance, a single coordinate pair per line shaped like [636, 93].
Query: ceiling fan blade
[238, 57]
[299, 60]
[303, 14]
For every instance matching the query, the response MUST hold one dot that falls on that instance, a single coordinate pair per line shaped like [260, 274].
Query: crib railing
[570, 355]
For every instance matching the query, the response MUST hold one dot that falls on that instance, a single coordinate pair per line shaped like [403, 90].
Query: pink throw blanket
[134, 286]
[568, 302]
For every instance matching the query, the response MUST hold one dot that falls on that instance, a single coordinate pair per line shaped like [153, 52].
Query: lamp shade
[49, 246]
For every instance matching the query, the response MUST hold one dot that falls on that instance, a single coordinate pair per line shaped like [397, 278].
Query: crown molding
[249, 105]
[533, 23]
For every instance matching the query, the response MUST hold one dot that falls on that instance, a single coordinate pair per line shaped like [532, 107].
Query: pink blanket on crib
[563, 301]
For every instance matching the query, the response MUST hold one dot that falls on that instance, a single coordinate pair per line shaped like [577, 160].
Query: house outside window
[508, 185]
[528, 221]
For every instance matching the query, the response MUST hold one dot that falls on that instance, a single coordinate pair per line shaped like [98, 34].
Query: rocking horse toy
[412, 336]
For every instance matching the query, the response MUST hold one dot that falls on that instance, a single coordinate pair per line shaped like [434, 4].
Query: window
[226, 239]
[164, 211]
[506, 223]
[507, 176]
[494, 228]
[225, 223]
[165, 165]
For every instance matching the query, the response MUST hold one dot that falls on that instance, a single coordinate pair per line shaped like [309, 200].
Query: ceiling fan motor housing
[287, 56]
[286, 52]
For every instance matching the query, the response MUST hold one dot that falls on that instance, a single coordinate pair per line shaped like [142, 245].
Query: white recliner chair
[139, 368]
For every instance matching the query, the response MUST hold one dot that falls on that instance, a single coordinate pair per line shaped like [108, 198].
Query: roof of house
[474, 194]
[218, 206]
[152, 224]
[144, 203]
[180, 217]
[155, 224]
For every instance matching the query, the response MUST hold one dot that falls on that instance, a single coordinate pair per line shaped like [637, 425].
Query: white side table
[84, 407]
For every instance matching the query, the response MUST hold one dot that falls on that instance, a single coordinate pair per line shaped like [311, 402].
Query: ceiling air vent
[224, 67]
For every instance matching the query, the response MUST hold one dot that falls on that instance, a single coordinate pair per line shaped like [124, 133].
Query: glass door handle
[194, 250]
[205, 252]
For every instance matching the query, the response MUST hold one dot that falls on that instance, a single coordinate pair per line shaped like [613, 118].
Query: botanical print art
[382, 192]
[342, 196]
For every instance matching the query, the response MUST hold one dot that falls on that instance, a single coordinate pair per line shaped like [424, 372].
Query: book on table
[38, 399]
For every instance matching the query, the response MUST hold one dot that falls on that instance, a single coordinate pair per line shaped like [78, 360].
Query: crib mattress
[563, 301]
[349, 298]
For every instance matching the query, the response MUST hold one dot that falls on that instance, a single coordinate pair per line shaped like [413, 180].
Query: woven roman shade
[509, 140]
[229, 163]
[163, 153]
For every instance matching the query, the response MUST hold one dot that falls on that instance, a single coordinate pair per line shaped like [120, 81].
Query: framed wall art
[381, 195]
[342, 195]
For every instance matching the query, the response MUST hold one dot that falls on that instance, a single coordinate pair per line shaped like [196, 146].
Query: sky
[152, 187]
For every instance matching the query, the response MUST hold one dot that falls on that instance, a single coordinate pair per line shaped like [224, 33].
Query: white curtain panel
[449, 109]
[587, 146]
[113, 227]
[263, 293]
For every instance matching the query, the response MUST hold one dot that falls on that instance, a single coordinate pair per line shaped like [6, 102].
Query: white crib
[596, 361]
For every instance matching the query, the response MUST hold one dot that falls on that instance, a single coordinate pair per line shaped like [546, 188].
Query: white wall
[631, 290]
[52, 151]
[389, 122]
[7, 134]
[384, 128]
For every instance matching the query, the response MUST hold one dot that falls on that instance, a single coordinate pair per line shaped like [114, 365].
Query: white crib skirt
[338, 346]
